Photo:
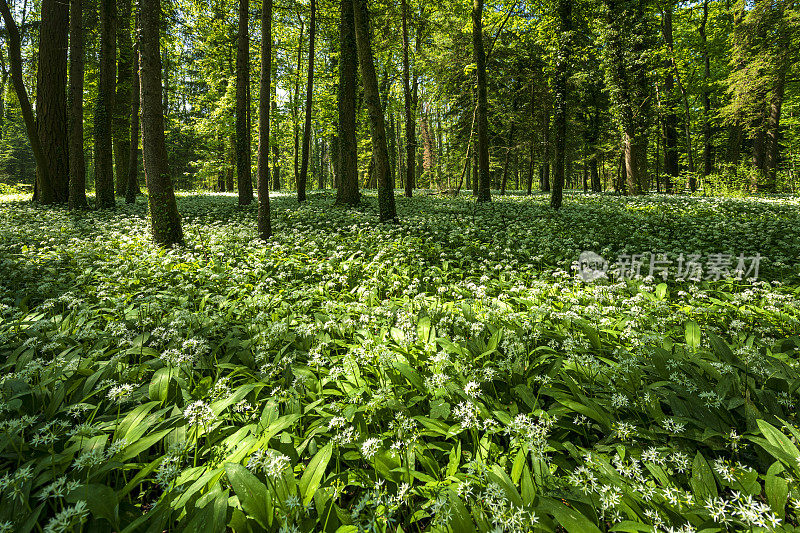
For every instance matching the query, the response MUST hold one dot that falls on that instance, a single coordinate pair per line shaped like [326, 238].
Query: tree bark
[475, 171]
[772, 141]
[411, 130]
[243, 158]
[104, 110]
[164, 218]
[132, 187]
[372, 100]
[508, 155]
[544, 170]
[707, 145]
[122, 116]
[264, 107]
[561, 92]
[15, 59]
[303, 179]
[479, 54]
[77, 166]
[630, 92]
[667, 31]
[51, 98]
[347, 192]
[276, 160]
[295, 101]
[671, 166]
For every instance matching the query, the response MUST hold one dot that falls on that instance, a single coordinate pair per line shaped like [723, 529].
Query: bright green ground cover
[451, 373]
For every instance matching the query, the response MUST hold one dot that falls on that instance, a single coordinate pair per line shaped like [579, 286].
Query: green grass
[452, 373]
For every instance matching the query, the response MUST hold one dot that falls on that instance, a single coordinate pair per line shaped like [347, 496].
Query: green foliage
[453, 373]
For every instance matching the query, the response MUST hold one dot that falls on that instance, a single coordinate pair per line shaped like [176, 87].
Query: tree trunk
[734, 148]
[324, 163]
[303, 179]
[164, 218]
[231, 163]
[276, 159]
[560, 89]
[428, 149]
[15, 58]
[508, 156]
[372, 100]
[104, 110]
[132, 187]
[772, 150]
[243, 158]
[707, 146]
[479, 54]
[347, 192]
[77, 162]
[475, 171]
[544, 170]
[122, 116]
[671, 167]
[531, 166]
[630, 88]
[391, 134]
[411, 130]
[595, 175]
[264, 107]
[51, 98]
[295, 102]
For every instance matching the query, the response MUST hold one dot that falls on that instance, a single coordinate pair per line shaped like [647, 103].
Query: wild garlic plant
[451, 373]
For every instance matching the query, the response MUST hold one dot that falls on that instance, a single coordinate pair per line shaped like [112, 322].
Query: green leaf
[159, 385]
[693, 334]
[315, 470]
[569, 519]
[703, 483]
[101, 500]
[783, 448]
[440, 409]
[661, 291]
[252, 494]
[461, 521]
[777, 490]
[721, 348]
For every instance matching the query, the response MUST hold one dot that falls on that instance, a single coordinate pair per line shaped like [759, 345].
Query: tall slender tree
[484, 178]
[564, 8]
[51, 99]
[627, 45]
[164, 219]
[347, 193]
[77, 162]
[372, 100]
[132, 188]
[670, 120]
[121, 127]
[15, 59]
[408, 105]
[243, 168]
[302, 180]
[707, 144]
[264, 108]
[104, 108]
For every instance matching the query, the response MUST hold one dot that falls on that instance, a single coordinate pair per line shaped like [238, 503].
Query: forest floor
[460, 371]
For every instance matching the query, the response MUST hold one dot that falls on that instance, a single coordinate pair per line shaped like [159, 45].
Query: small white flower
[370, 447]
[199, 413]
[472, 389]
